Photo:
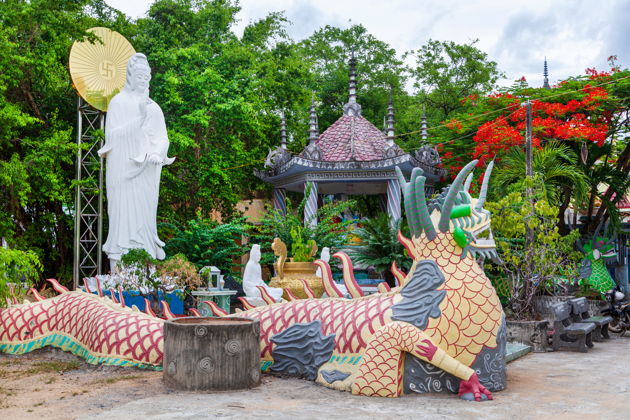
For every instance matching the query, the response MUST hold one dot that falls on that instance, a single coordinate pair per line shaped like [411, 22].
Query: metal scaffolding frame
[88, 215]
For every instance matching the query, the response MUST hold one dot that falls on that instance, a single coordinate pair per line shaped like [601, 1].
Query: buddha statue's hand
[155, 159]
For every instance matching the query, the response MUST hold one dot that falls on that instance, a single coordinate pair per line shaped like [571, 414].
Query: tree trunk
[211, 353]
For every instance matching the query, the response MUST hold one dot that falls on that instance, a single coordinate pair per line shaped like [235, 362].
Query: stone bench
[580, 313]
[569, 334]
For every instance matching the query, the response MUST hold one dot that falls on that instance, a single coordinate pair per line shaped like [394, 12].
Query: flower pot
[292, 268]
[294, 273]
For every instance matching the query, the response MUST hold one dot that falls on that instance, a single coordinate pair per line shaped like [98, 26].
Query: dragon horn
[484, 186]
[121, 297]
[36, 294]
[112, 295]
[98, 287]
[166, 310]
[422, 210]
[86, 285]
[147, 308]
[290, 294]
[399, 275]
[407, 189]
[468, 182]
[57, 286]
[383, 287]
[449, 201]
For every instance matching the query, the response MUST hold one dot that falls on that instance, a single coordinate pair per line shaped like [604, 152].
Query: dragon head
[593, 269]
[454, 212]
[599, 248]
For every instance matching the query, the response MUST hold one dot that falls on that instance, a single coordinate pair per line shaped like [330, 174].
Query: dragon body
[87, 325]
[441, 329]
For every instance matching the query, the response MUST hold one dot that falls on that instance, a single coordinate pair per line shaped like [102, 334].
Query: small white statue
[135, 148]
[253, 277]
[324, 256]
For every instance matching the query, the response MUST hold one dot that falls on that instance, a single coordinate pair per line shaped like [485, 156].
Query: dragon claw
[472, 389]
[427, 351]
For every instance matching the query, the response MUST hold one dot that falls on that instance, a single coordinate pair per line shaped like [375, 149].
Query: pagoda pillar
[393, 199]
[279, 200]
[310, 209]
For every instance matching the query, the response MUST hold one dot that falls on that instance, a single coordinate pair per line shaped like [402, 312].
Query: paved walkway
[561, 385]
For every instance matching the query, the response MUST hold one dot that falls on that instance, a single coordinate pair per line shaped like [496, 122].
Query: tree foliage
[526, 272]
[37, 121]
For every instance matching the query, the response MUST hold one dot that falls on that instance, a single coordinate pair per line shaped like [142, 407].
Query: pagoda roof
[353, 138]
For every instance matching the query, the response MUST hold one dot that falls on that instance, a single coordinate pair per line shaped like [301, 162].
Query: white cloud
[518, 34]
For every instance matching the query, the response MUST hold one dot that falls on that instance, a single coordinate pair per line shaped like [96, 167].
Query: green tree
[221, 96]
[37, 122]
[378, 68]
[555, 174]
[446, 72]
[526, 272]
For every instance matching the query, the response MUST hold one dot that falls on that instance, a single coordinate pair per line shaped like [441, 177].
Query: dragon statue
[593, 268]
[442, 329]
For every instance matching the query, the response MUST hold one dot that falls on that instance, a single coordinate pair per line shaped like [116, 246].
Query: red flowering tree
[589, 113]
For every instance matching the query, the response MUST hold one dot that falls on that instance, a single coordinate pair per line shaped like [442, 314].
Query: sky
[518, 35]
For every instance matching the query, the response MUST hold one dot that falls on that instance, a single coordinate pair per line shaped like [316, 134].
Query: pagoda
[350, 157]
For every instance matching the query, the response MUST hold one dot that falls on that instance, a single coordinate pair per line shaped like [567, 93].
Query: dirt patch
[50, 384]
[53, 384]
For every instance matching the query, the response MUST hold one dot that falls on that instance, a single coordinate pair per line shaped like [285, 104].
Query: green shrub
[380, 247]
[20, 268]
[206, 242]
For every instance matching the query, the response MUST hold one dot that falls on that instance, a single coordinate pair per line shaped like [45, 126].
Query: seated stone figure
[253, 277]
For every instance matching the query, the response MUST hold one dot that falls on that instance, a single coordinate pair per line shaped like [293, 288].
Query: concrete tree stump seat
[569, 334]
[580, 313]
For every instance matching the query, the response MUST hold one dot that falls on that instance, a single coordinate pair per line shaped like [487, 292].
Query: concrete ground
[561, 385]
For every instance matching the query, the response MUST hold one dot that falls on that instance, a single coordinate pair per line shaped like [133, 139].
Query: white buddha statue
[136, 145]
[253, 277]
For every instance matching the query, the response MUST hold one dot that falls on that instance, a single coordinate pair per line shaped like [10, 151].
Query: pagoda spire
[313, 130]
[390, 119]
[424, 135]
[352, 108]
[546, 76]
[283, 130]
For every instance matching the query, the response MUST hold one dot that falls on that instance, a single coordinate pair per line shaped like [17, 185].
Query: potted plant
[302, 254]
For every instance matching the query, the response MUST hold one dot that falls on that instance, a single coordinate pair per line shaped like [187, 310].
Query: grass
[52, 367]
[108, 381]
